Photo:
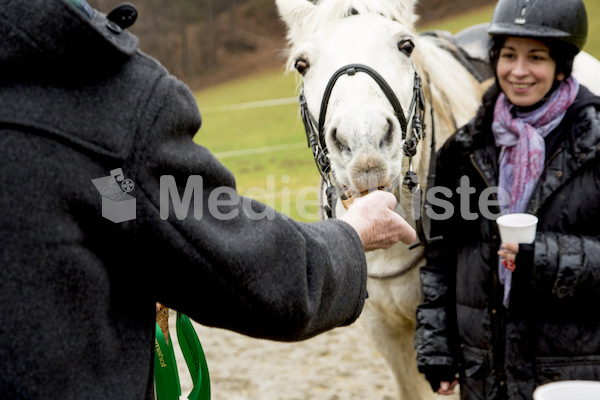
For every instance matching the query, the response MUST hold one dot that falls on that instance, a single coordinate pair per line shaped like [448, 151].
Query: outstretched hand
[377, 224]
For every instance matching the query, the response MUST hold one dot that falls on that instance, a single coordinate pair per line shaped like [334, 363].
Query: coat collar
[55, 32]
[580, 135]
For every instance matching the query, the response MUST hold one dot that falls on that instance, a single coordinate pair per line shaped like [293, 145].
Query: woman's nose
[520, 67]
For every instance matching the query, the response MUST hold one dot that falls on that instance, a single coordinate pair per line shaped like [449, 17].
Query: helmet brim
[533, 31]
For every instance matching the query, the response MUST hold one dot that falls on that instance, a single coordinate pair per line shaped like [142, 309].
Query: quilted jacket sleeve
[435, 315]
[564, 265]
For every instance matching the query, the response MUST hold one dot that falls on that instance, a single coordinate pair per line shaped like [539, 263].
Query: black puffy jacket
[551, 330]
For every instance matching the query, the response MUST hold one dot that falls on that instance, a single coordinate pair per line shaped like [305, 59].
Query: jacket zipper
[553, 156]
[487, 183]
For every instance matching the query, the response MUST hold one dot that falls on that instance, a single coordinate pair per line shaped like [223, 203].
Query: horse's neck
[455, 96]
[453, 91]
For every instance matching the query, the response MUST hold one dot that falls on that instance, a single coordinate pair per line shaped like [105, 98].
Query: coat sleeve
[436, 315]
[229, 261]
[563, 265]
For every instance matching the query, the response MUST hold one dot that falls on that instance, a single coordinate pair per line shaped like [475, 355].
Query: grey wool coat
[78, 290]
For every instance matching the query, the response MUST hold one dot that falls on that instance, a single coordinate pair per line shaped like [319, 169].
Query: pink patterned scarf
[524, 155]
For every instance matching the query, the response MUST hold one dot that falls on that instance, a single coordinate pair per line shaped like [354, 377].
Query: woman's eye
[406, 46]
[301, 65]
[539, 57]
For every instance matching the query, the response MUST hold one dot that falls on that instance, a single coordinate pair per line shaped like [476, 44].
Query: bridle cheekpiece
[315, 130]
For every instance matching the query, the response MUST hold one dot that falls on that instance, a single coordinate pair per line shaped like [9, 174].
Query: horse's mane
[446, 79]
[446, 86]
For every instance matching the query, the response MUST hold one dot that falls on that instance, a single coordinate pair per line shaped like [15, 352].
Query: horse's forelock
[401, 11]
[396, 10]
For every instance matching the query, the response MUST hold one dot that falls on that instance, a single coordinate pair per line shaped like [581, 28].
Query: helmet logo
[521, 20]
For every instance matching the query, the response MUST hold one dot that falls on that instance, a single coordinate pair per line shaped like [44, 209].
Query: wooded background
[205, 42]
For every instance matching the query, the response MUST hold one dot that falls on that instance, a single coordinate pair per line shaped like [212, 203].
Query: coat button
[559, 174]
[123, 16]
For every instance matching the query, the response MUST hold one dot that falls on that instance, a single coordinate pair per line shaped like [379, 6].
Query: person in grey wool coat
[78, 279]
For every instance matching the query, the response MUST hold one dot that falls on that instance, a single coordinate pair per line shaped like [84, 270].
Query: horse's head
[362, 131]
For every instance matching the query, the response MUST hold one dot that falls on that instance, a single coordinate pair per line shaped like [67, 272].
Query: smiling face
[525, 71]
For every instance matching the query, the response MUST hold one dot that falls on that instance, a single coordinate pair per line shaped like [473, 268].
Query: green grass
[287, 179]
[593, 43]
[458, 23]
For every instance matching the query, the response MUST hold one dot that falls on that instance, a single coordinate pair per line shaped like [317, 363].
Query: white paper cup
[568, 390]
[517, 228]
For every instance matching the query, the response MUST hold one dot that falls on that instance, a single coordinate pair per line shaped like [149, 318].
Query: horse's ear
[407, 9]
[407, 5]
[294, 13]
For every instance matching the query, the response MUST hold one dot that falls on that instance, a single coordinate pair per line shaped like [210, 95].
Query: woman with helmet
[506, 317]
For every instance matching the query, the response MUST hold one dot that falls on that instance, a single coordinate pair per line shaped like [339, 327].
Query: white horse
[366, 73]
[364, 135]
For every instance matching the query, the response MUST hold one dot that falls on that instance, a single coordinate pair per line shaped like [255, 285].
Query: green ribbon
[166, 377]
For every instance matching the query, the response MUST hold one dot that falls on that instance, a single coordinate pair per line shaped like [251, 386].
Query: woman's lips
[521, 86]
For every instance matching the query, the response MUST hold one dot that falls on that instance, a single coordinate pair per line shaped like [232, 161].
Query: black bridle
[315, 134]
[315, 131]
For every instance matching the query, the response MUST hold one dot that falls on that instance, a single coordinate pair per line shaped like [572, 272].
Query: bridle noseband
[315, 131]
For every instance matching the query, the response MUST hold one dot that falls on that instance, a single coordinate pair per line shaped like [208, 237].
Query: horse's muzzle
[350, 195]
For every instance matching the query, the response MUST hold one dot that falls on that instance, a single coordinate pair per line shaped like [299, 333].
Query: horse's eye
[301, 65]
[406, 46]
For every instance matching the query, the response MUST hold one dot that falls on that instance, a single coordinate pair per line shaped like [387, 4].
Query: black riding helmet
[562, 20]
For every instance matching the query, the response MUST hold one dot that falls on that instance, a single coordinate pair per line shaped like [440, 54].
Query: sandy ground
[338, 365]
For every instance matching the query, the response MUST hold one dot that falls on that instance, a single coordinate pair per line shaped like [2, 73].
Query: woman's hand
[508, 252]
[447, 388]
